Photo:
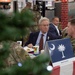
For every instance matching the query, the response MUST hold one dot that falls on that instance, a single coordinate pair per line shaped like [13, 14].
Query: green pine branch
[12, 28]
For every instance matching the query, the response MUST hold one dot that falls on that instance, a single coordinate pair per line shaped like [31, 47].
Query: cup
[36, 49]
[19, 42]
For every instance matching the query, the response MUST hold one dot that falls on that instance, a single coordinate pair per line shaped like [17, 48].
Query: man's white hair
[43, 19]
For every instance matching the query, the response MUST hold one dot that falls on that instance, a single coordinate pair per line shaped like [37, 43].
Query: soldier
[64, 32]
[71, 32]
[17, 54]
[28, 6]
[37, 15]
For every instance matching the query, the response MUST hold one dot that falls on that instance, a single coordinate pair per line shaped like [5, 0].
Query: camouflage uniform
[73, 45]
[17, 54]
[64, 32]
[37, 16]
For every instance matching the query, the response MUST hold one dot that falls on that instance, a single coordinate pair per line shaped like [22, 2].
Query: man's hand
[30, 45]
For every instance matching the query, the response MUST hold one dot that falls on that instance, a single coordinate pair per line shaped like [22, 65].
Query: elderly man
[35, 38]
[71, 32]
[54, 27]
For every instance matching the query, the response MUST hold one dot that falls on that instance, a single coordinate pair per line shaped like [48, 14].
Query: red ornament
[64, 0]
[5, 0]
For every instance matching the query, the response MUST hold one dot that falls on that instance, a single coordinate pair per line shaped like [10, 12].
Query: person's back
[17, 54]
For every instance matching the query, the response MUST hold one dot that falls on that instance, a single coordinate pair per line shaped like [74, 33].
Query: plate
[29, 50]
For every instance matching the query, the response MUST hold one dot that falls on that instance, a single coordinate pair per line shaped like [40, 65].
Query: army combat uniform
[73, 45]
[72, 41]
[17, 54]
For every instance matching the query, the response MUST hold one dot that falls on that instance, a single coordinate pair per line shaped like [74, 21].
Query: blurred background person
[28, 6]
[64, 32]
[54, 27]
[37, 14]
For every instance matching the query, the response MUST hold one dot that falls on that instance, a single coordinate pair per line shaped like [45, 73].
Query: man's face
[56, 21]
[44, 26]
[70, 29]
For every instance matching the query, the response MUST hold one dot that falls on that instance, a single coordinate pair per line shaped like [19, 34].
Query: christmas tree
[11, 28]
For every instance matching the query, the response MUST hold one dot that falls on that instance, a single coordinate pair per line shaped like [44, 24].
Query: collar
[43, 34]
[55, 25]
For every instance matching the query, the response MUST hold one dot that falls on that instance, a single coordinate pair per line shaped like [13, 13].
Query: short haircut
[43, 19]
[72, 21]
[28, 4]
[54, 18]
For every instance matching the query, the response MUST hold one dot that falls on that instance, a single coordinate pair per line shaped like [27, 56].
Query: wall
[21, 5]
[7, 11]
[49, 14]
[71, 6]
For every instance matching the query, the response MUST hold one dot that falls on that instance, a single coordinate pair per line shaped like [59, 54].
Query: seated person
[64, 32]
[71, 32]
[35, 38]
[54, 27]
